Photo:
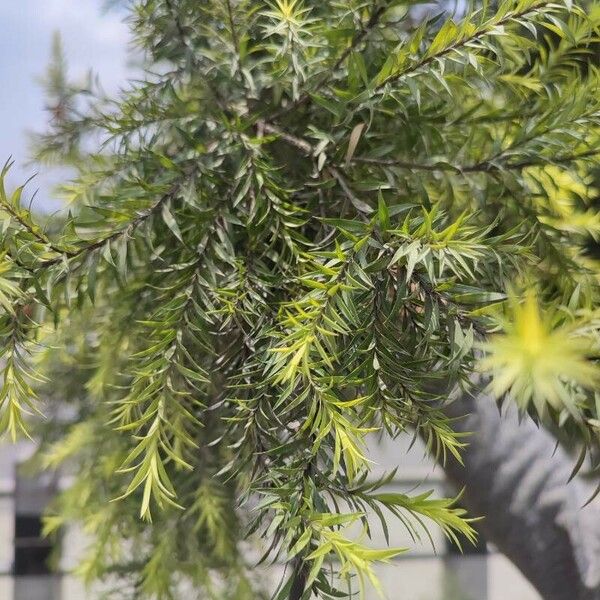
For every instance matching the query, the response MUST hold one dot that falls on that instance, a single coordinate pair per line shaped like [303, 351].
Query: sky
[92, 38]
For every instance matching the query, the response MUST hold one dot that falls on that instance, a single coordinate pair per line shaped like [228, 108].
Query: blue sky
[91, 39]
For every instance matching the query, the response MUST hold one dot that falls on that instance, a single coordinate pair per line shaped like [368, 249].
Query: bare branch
[487, 165]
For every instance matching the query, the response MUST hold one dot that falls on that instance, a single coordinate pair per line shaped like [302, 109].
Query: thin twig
[299, 143]
[359, 36]
[308, 149]
[236, 47]
[361, 206]
[30, 228]
[299, 577]
[486, 165]
[443, 299]
[234, 36]
[68, 255]
[461, 43]
[402, 164]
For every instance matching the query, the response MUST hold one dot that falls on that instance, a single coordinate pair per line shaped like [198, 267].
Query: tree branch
[361, 206]
[443, 299]
[518, 478]
[234, 36]
[461, 43]
[68, 255]
[42, 239]
[178, 25]
[293, 140]
[300, 575]
[483, 166]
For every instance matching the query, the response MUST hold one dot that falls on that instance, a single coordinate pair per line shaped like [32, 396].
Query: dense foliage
[308, 224]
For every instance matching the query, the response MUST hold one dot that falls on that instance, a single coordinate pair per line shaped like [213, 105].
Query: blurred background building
[32, 569]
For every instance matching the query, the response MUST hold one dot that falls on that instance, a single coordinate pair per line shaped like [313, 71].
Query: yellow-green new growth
[537, 361]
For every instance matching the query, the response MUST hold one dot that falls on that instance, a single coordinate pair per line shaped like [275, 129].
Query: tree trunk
[299, 582]
[516, 478]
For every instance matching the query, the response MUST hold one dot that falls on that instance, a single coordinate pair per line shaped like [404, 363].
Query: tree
[308, 223]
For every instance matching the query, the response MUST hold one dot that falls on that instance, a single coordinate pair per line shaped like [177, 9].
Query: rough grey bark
[516, 478]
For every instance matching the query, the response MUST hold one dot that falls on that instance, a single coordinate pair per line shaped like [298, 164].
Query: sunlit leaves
[18, 375]
[355, 558]
[459, 42]
[290, 21]
[410, 510]
[290, 18]
[538, 360]
[167, 387]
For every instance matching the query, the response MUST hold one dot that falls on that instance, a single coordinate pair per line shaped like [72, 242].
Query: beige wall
[419, 575]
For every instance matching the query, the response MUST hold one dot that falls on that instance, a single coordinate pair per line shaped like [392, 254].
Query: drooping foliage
[307, 224]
